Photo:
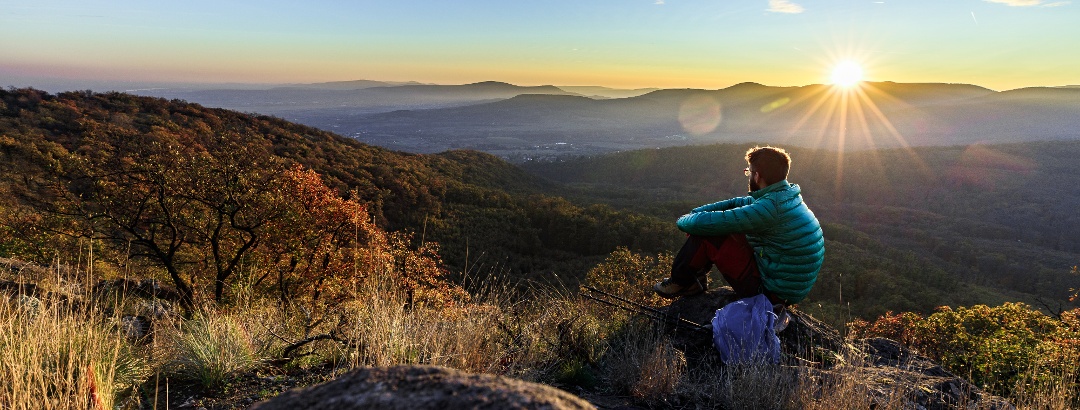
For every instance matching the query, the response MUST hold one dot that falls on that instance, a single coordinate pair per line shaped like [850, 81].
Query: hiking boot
[783, 318]
[668, 289]
[779, 308]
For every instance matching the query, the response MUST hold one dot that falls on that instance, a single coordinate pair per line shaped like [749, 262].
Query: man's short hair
[771, 163]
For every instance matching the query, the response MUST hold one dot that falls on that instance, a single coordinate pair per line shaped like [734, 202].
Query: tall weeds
[57, 356]
[490, 334]
[1051, 387]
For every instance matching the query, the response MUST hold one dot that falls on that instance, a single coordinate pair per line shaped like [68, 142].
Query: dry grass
[1043, 390]
[847, 387]
[491, 334]
[384, 332]
[641, 363]
[54, 356]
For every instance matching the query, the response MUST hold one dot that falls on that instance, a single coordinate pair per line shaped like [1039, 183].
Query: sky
[998, 44]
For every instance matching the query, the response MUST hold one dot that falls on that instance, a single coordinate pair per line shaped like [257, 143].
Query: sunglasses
[747, 171]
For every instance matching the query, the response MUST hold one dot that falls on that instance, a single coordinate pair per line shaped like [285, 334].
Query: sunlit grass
[57, 356]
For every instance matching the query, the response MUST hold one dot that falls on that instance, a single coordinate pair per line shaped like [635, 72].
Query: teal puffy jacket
[785, 234]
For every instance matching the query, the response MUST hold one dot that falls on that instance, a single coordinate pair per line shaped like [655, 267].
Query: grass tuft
[211, 348]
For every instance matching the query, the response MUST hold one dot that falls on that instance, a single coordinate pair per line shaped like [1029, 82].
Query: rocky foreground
[424, 387]
[892, 375]
[816, 352]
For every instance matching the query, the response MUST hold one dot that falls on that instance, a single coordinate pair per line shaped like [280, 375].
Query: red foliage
[328, 246]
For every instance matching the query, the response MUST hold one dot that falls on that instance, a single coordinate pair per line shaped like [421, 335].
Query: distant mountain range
[605, 92]
[350, 97]
[523, 123]
[349, 85]
[818, 116]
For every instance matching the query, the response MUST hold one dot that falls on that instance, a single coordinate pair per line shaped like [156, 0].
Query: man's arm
[754, 217]
[725, 204]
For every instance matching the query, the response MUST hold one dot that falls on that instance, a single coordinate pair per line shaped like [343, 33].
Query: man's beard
[753, 185]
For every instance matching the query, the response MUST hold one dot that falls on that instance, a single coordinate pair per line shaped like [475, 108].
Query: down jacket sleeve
[748, 216]
[724, 205]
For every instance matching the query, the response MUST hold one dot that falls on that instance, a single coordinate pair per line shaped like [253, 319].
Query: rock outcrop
[885, 370]
[423, 387]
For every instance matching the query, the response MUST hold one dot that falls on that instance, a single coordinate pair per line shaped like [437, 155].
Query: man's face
[754, 186]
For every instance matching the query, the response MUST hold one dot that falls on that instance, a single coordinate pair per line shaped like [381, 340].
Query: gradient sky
[999, 44]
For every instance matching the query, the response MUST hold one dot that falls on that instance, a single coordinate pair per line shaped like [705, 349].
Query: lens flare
[700, 114]
[775, 104]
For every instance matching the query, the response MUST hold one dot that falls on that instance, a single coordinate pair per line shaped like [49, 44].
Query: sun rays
[846, 114]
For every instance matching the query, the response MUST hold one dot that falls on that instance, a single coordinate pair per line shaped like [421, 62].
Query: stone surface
[423, 387]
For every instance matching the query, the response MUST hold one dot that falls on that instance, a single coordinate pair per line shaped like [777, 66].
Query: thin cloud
[1057, 4]
[1017, 3]
[659, 2]
[785, 6]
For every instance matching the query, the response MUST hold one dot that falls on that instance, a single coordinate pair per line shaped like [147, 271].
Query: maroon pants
[731, 254]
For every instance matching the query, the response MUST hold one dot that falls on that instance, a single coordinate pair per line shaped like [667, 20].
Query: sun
[846, 74]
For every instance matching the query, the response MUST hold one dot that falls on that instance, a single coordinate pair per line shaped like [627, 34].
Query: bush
[1011, 350]
[630, 275]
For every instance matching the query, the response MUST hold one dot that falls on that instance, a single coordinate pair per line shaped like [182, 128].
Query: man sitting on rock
[768, 242]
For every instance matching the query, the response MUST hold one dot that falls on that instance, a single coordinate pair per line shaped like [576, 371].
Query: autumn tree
[321, 238]
[326, 246]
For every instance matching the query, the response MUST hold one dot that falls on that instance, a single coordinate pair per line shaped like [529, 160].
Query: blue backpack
[743, 331]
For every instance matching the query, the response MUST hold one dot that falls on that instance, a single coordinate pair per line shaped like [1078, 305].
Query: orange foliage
[328, 246]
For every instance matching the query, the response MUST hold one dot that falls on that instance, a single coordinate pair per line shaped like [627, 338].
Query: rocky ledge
[423, 387]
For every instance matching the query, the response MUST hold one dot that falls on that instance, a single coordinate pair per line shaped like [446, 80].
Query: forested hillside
[145, 177]
[906, 229]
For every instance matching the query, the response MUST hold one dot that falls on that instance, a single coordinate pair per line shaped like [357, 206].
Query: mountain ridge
[878, 115]
[489, 116]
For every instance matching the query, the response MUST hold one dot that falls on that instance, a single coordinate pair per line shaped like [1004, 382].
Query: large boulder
[423, 387]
